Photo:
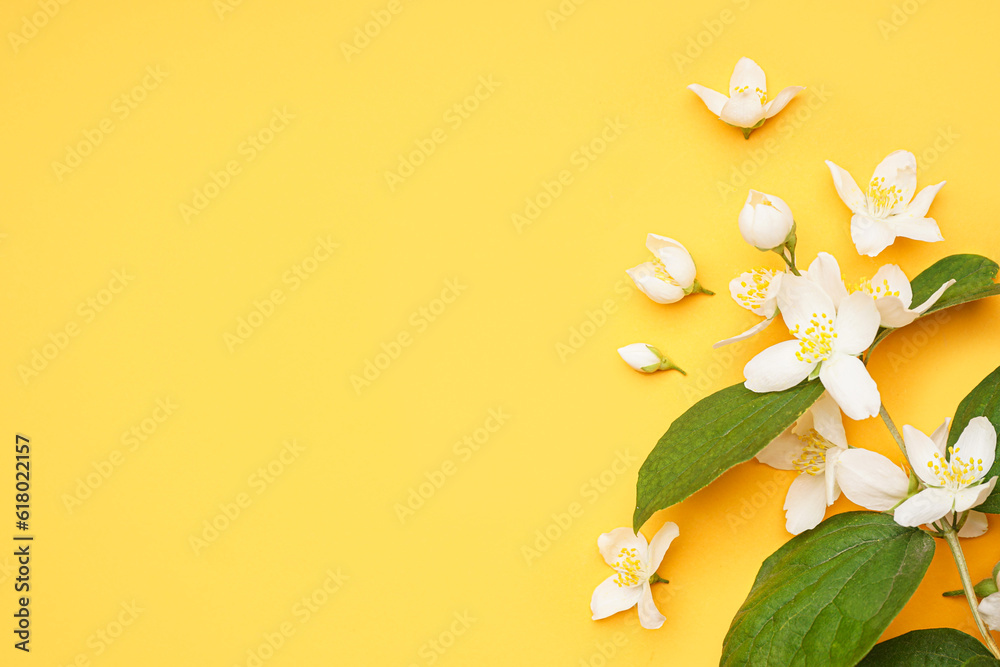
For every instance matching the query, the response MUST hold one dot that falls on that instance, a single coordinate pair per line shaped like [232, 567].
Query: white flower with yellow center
[757, 291]
[874, 482]
[811, 446]
[888, 208]
[635, 562]
[747, 106]
[670, 276]
[828, 342]
[892, 293]
[954, 479]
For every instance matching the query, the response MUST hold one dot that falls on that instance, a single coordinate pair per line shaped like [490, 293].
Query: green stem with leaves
[951, 537]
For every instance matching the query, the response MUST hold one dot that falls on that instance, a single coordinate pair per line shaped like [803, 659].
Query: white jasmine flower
[765, 221]
[989, 608]
[757, 291]
[747, 106]
[954, 480]
[634, 562]
[811, 446]
[874, 482]
[670, 276]
[828, 342]
[892, 293]
[646, 359]
[888, 208]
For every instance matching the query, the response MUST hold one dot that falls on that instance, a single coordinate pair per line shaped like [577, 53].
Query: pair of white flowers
[948, 480]
[887, 209]
[668, 278]
[832, 326]
[635, 563]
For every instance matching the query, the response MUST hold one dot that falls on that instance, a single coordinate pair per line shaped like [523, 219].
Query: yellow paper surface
[301, 390]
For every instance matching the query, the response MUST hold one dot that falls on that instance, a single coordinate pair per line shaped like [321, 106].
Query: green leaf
[941, 647]
[826, 596]
[974, 275]
[983, 401]
[716, 433]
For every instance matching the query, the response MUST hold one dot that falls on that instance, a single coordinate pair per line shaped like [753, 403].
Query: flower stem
[951, 537]
[892, 429]
[790, 261]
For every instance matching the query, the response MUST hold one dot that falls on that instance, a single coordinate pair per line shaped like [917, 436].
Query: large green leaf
[940, 647]
[974, 275]
[826, 596]
[716, 433]
[983, 401]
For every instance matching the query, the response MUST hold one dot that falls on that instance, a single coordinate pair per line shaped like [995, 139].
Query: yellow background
[881, 76]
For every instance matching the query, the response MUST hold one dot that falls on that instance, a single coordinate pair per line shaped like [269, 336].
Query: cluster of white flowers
[945, 481]
[832, 325]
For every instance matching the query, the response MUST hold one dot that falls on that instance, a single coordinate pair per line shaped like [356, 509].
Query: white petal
[976, 524]
[675, 258]
[871, 480]
[639, 356]
[833, 455]
[799, 298]
[989, 609]
[893, 314]
[805, 503]
[857, 323]
[848, 381]
[781, 451]
[610, 598]
[658, 546]
[644, 277]
[825, 272]
[827, 420]
[979, 442]
[927, 506]
[649, 616]
[871, 236]
[922, 202]
[974, 496]
[899, 169]
[940, 436]
[747, 73]
[781, 100]
[776, 368]
[892, 279]
[848, 190]
[920, 451]
[713, 100]
[743, 110]
[933, 298]
[918, 229]
[752, 331]
[611, 544]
